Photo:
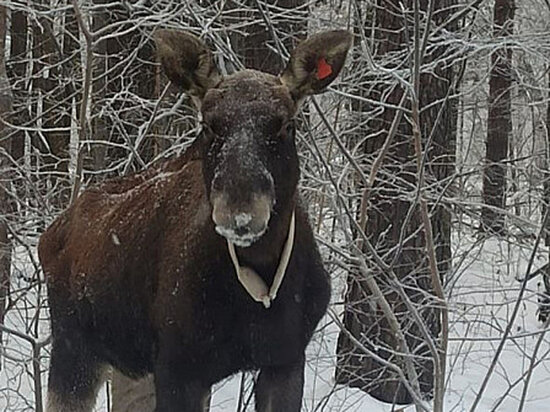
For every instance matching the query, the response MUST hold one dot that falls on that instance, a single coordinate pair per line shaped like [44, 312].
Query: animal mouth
[240, 236]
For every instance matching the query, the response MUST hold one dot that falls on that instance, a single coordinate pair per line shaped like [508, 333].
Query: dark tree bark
[263, 45]
[544, 298]
[17, 67]
[5, 145]
[124, 66]
[547, 168]
[499, 122]
[400, 242]
[56, 63]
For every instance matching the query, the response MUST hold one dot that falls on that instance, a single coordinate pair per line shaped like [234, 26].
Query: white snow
[243, 219]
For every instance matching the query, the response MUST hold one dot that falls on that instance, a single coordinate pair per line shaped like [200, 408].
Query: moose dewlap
[204, 265]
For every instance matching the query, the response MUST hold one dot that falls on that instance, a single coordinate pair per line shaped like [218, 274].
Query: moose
[204, 264]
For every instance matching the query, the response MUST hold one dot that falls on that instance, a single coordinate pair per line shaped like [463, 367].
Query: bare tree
[389, 211]
[544, 299]
[16, 74]
[272, 29]
[499, 121]
[53, 66]
[5, 152]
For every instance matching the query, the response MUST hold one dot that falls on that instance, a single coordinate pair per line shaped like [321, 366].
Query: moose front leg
[178, 388]
[172, 396]
[280, 388]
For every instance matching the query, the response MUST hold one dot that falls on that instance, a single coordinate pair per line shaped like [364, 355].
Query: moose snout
[241, 224]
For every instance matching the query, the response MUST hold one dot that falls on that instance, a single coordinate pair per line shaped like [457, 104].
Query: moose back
[204, 265]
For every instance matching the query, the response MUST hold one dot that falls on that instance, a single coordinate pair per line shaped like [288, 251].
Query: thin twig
[439, 361]
[84, 103]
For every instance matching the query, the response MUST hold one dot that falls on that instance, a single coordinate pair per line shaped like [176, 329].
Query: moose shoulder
[206, 264]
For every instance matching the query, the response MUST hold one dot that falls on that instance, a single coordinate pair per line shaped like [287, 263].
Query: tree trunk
[544, 298]
[17, 74]
[5, 140]
[54, 83]
[547, 168]
[499, 122]
[399, 242]
[263, 45]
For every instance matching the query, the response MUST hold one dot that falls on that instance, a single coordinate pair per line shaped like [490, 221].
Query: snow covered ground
[483, 289]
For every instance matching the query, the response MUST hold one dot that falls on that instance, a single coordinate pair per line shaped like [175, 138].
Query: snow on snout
[245, 240]
[243, 219]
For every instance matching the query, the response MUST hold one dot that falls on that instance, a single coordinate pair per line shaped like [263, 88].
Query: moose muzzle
[241, 224]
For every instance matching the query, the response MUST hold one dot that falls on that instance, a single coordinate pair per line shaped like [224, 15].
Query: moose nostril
[242, 230]
[242, 220]
[241, 224]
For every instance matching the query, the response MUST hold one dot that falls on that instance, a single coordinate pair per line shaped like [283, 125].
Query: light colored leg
[62, 403]
[131, 395]
[206, 401]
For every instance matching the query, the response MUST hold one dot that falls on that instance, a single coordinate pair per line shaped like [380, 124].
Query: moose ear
[186, 61]
[316, 62]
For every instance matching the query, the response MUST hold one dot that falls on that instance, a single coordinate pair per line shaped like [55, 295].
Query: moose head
[250, 165]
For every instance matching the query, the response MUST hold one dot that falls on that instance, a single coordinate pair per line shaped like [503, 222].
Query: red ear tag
[323, 69]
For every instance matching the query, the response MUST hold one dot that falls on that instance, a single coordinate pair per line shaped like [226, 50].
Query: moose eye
[288, 131]
[208, 134]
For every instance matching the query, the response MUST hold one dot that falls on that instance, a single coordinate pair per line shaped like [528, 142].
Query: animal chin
[239, 240]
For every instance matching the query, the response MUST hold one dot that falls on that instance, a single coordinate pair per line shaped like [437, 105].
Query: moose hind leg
[280, 388]
[74, 378]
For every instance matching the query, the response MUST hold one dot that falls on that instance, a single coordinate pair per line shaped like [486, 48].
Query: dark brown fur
[139, 279]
